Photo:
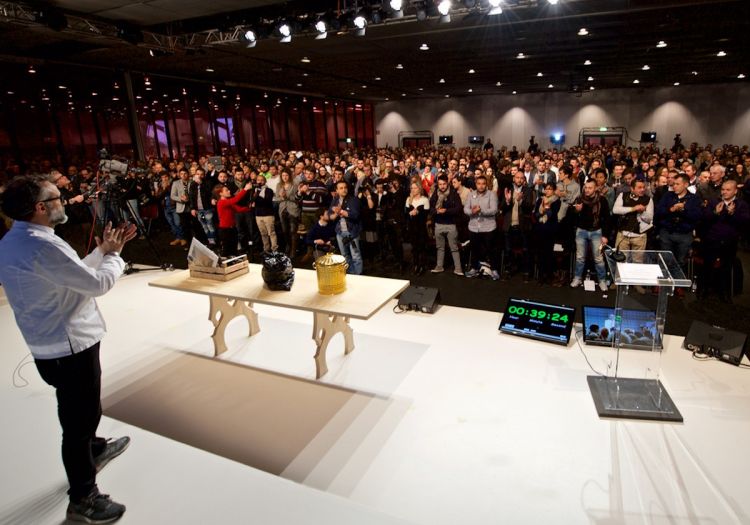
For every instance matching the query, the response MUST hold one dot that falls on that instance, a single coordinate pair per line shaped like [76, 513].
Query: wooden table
[363, 297]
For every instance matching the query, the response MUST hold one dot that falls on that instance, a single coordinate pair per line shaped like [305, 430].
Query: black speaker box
[715, 341]
[420, 299]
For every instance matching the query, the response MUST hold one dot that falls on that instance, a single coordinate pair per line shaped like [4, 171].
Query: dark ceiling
[622, 39]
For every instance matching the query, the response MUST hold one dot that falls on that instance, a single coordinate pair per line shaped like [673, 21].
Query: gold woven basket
[331, 270]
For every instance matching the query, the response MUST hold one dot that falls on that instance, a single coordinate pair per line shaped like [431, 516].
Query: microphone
[616, 254]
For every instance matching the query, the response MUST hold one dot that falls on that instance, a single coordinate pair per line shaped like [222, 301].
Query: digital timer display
[545, 322]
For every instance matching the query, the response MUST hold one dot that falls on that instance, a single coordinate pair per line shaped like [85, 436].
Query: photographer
[133, 189]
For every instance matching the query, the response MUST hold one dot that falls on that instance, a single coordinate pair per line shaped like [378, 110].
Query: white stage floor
[478, 427]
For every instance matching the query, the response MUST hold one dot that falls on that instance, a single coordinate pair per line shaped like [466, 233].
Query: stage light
[360, 24]
[321, 28]
[444, 8]
[285, 31]
[495, 8]
[249, 38]
[396, 8]
[553, 2]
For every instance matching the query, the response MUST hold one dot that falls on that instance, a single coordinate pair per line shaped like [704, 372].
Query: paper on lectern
[640, 273]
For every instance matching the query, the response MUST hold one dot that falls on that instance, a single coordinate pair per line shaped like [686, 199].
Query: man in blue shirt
[344, 211]
[51, 291]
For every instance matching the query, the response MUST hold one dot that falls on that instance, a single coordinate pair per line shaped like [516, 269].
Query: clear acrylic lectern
[638, 324]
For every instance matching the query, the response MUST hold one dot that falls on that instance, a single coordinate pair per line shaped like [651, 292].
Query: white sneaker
[603, 286]
[437, 270]
[575, 283]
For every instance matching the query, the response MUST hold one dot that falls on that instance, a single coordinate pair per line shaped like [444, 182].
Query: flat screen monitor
[476, 139]
[551, 323]
[648, 136]
[445, 139]
[638, 328]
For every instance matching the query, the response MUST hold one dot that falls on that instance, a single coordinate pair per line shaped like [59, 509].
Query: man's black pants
[77, 380]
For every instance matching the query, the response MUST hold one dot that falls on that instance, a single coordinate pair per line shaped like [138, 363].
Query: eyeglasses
[52, 199]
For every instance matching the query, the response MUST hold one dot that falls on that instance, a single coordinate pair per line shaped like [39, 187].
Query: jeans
[173, 219]
[677, 243]
[77, 382]
[449, 232]
[206, 218]
[584, 238]
[352, 252]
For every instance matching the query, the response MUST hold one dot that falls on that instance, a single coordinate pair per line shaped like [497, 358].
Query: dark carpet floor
[485, 294]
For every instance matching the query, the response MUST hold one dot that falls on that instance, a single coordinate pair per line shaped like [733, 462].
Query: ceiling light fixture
[661, 44]
[399, 66]
[520, 56]
[636, 81]
[495, 8]
[551, 86]
[322, 29]
[286, 32]
[552, 2]
[590, 79]
[444, 8]
[249, 38]
[540, 74]
[305, 60]
[209, 70]
[498, 84]
[741, 76]
[471, 71]
[441, 81]
[32, 70]
[515, 92]
[360, 23]
[424, 47]
[676, 84]
[397, 8]
[721, 54]
[694, 73]
[583, 32]
[377, 78]
[470, 90]
[645, 67]
[591, 88]
[587, 63]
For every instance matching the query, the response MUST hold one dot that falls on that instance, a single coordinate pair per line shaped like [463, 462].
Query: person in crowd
[711, 189]
[226, 208]
[544, 233]
[727, 218]
[163, 196]
[445, 207]
[542, 176]
[134, 188]
[51, 291]
[517, 210]
[202, 208]
[77, 229]
[379, 198]
[417, 207]
[395, 220]
[345, 212]
[677, 216]
[482, 209]
[322, 235]
[592, 223]
[262, 204]
[180, 195]
[289, 211]
[634, 213]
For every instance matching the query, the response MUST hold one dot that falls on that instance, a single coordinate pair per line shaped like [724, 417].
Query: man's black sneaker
[113, 449]
[96, 508]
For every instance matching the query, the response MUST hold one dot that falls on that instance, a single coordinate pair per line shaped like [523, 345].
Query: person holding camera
[51, 291]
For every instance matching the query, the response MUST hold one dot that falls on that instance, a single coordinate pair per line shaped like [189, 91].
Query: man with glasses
[51, 291]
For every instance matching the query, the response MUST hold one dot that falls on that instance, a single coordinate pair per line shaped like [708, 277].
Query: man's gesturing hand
[115, 238]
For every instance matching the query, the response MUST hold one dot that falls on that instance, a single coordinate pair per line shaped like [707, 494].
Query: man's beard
[57, 216]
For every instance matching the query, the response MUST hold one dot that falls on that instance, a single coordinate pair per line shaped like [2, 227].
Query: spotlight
[495, 8]
[360, 24]
[285, 31]
[396, 7]
[249, 38]
[321, 28]
[444, 8]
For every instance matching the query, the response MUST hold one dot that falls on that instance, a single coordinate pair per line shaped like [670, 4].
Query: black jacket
[206, 195]
[452, 205]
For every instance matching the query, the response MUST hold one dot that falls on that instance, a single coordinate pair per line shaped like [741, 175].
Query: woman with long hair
[289, 211]
[417, 208]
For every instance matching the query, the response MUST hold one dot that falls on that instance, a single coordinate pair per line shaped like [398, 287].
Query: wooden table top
[363, 297]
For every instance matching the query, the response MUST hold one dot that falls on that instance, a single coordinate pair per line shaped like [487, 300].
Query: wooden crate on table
[227, 269]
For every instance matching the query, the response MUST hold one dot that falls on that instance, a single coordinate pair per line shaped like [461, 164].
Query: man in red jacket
[226, 206]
